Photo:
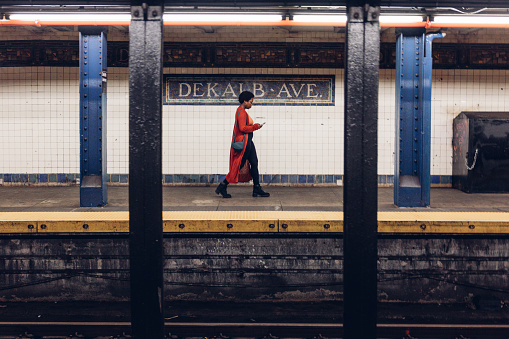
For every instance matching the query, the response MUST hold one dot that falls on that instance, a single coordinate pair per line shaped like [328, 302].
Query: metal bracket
[355, 14]
[155, 13]
[362, 14]
[146, 13]
[137, 13]
[373, 14]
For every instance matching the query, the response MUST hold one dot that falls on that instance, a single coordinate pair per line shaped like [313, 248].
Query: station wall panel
[39, 115]
[39, 121]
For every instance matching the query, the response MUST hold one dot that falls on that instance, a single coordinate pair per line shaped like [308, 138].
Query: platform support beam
[360, 187]
[413, 117]
[92, 78]
[145, 169]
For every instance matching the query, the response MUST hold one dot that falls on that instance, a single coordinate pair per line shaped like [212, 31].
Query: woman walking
[243, 131]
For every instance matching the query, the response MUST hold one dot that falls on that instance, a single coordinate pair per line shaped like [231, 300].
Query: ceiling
[271, 3]
[309, 6]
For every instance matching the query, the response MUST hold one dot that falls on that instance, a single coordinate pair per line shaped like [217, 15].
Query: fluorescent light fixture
[471, 19]
[71, 17]
[400, 19]
[321, 18]
[221, 17]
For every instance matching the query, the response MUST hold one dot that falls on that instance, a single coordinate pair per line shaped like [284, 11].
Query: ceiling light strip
[324, 20]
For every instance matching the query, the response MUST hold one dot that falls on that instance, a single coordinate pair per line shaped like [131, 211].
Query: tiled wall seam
[203, 179]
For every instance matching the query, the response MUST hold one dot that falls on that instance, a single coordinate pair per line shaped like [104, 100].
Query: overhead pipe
[282, 23]
[40, 23]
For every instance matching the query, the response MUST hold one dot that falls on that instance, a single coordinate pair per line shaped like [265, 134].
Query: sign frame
[275, 89]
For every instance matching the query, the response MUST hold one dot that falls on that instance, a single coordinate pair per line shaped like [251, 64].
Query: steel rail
[294, 330]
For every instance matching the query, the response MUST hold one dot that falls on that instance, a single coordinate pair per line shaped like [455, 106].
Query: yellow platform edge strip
[255, 222]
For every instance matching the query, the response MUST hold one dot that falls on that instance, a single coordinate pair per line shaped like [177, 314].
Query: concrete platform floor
[201, 198]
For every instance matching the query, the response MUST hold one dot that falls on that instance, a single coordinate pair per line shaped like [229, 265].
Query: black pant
[250, 154]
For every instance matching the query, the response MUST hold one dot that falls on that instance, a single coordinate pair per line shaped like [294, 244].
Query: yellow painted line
[444, 222]
[306, 222]
[220, 221]
[444, 216]
[20, 216]
[444, 227]
[83, 226]
[115, 222]
[7, 226]
[255, 221]
[65, 222]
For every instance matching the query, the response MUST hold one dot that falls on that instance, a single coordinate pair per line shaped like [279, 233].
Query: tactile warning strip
[254, 222]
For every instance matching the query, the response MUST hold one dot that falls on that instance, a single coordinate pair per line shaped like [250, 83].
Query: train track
[48, 330]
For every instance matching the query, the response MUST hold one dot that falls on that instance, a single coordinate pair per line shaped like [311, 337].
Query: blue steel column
[413, 118]
[145, 169]
[425, 94]
[360, 190]
[93, 67]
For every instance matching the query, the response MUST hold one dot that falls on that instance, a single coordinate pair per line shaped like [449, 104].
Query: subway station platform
[450, 256]
[35, 209]
[202, 198]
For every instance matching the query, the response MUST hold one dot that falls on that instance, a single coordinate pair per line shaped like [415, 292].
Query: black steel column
[361, 180]
[145, 169]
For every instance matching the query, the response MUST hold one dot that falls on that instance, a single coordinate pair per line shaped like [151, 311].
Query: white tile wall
[39, 120]
[39, 123]
[386, 123]
[118, 120]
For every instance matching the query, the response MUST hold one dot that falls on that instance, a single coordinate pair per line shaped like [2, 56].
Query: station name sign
[268, 90]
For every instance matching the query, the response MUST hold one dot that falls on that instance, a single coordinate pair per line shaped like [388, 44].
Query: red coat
[240, 130]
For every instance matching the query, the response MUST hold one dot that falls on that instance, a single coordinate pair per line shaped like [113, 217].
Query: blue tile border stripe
[201, 179]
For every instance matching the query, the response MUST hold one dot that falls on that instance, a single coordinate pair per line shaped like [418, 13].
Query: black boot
[257, 191]
[221, 189]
